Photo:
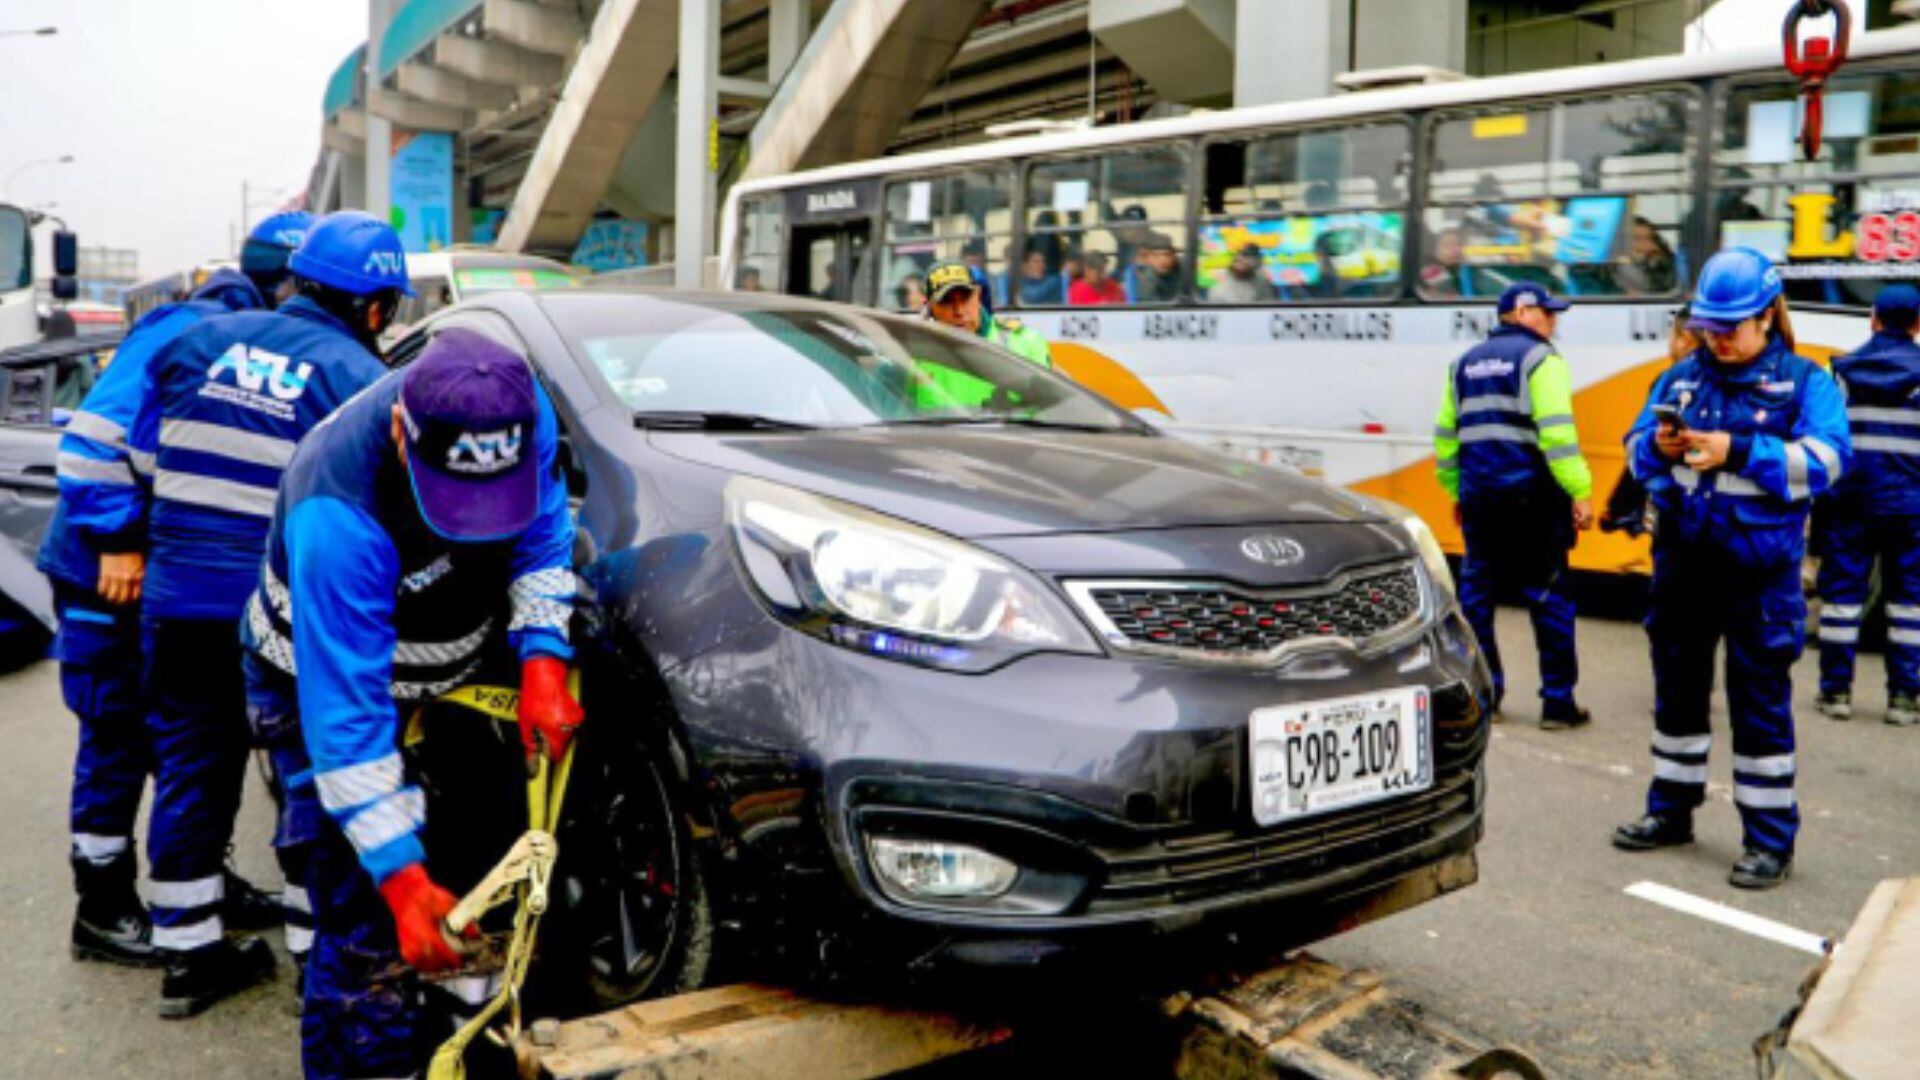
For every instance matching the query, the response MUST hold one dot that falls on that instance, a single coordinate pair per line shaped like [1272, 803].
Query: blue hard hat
[355, 253]
[1525, 294]
[273, 242]
[1734, 286]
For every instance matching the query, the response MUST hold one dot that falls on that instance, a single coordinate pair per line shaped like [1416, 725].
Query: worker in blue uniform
[1733, 445]
[92, 555]
[1874, 513]
[224, 407]
[1506, 449]
[421, 539]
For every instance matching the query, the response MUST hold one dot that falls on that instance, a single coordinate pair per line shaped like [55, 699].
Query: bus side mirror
[66, 254]
[66, 288]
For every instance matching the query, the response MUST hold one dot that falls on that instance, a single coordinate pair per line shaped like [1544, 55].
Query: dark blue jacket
[104, 484]
[1790, 443]
[1881, 381]
[369, 606]
[228, 402]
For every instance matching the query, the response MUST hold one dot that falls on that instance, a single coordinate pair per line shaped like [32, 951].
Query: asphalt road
[1547, 952]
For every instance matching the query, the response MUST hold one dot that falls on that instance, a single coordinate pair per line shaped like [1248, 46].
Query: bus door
[828, 241]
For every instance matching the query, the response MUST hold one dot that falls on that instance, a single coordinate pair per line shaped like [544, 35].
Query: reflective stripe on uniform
[1877, 414]
[95, 848]
[1763, 798]
[1844, 613]
[299, 940]
[226, 442]
[1561, 453]
[142, 462]
[1678, 773]
[228, 495]
[1839, 635]
[191, 936]
[1681, 744]
[433, 653]
[1773, 765]
[1902, 636]
[393, 817]
[356, 785]
[1473, 433]
[1826, 455]
[1556, 420]
[1887, 444]
[74, 467]
[1444, 432]
[98, 428]
[1903, 611]
[1796, 457]
[1725, 483]
[1493, 403]
[187, 894]
[294, 898]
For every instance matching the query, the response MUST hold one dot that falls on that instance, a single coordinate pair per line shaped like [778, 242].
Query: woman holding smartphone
[1733, 445]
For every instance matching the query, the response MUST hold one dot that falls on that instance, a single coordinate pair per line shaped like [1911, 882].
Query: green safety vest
[955, 387]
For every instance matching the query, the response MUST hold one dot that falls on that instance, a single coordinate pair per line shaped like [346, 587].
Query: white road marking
[1700, 907]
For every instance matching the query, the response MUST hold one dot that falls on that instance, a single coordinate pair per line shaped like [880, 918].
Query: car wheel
[640, 921]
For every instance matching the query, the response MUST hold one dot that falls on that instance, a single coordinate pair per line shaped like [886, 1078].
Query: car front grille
[1184, 869]
[1227, 621]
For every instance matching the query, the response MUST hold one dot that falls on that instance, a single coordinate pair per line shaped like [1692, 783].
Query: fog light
[929, 870]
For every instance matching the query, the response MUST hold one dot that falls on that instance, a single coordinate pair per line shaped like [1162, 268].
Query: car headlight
[1430, 553]
[888, 587]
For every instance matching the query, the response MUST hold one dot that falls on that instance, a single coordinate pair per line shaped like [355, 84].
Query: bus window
[759, 241]
[1128, 205]
[1304, 216]
[1588, 198]
[965, 215]
[1843, 224]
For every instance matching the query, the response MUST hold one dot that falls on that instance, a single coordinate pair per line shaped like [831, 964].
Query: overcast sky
[166, 106]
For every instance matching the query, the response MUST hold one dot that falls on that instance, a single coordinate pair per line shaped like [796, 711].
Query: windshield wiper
[695, 420]
[1021, 421]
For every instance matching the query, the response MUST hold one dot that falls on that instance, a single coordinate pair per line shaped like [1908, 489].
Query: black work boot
[110, 923]
[1559, 715]
[246, 907]
[1759, 869]
[196, 980]
[1653, 831]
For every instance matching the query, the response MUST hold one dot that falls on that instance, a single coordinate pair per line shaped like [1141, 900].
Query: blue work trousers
[1851, 542]
[98, 647]
[1518, 548]
[1701, 600]
[200, 742]
[272, 715]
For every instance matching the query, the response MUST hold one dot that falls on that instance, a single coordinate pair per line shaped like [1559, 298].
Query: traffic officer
[93, 556]
[418, 536]
[268, 248]
[955, 298]
[1733, 445]
[228, 401]
[1874, 513]
[1509, 455]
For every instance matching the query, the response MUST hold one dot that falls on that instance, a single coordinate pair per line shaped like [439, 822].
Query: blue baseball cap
[469, 407]
[1526, 294]
[1897, 304]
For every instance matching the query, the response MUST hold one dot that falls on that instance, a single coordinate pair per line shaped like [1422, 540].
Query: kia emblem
[1273, 550]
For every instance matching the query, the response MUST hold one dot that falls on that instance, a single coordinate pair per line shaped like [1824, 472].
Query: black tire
[639, 920]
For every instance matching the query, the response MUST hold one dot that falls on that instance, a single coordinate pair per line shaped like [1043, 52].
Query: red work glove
[419, 911]
[548, 713]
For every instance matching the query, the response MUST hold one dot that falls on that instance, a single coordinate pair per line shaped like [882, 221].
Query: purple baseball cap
[468, 406]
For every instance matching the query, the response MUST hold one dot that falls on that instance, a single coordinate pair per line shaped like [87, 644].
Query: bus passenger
[1733, 445]
[1648, 267]
[1158, 278]
[1245, 281]
[1509, 454]
[1039, 286]
[1445, 275]
[1874, 513]
[1094, 287]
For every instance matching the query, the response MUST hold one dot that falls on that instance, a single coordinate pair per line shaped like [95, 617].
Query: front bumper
[1119, 783]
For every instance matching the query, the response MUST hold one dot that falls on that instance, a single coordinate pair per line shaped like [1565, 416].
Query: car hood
[977, 482]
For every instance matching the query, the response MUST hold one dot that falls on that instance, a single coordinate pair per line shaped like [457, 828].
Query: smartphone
[1670, 414]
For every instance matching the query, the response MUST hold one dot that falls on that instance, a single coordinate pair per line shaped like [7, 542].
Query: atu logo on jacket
[256, 379]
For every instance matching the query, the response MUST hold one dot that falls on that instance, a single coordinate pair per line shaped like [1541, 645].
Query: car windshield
[812, 366]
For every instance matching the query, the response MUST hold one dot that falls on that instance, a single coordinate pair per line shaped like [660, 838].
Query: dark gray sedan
[893, 636]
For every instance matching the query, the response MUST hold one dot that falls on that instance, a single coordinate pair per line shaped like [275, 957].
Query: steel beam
[613, 83]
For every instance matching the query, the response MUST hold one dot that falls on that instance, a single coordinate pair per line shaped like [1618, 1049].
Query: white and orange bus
[1379, 226]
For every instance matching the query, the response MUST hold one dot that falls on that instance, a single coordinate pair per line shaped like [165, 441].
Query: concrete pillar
[1288, 52]
[788, 24]
[377, 195]
[1395, 33]
[694, 180]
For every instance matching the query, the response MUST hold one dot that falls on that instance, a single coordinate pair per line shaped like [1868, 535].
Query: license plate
[1319, 756]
